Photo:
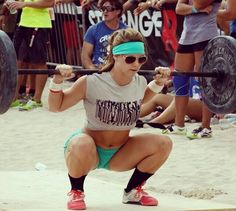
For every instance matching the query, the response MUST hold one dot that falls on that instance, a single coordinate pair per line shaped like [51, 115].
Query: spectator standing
[199, 27]
[30, 42]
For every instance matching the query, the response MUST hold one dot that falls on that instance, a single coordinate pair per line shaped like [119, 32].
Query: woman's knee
[81, 146]
[164, 145]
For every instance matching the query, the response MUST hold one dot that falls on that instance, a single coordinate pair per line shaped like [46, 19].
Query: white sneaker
[138, 196]
[174, 129]
[200, 133]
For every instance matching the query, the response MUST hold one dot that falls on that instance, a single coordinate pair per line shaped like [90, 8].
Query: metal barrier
[66, 35]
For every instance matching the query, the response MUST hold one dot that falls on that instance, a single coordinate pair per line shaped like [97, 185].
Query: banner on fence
[160, 28]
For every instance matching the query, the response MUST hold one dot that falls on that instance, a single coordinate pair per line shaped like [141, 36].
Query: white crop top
[110, 106]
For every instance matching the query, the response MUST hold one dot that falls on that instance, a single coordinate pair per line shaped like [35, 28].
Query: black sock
[77, 183]
[137, 179]
[22, 90]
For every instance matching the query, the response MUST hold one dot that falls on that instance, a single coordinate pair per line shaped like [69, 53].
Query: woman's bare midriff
[108, 139]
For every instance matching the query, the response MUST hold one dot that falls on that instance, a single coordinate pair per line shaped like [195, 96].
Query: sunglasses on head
[107, 8]
[132, 59]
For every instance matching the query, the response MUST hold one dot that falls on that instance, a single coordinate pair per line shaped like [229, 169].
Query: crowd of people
[116, 98]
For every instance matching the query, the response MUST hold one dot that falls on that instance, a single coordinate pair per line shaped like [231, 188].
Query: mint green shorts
[104, 155]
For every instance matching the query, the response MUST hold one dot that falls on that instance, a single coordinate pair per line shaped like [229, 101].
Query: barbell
[217, 73]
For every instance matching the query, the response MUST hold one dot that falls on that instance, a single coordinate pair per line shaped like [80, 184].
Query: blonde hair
[118, 37]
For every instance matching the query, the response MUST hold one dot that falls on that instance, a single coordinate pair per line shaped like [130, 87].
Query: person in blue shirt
[95, 43]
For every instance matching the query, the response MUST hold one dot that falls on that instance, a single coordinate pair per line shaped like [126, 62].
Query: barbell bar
[81, 71]
[216, 74]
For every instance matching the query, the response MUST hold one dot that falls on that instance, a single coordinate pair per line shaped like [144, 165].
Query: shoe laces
[170, 128]
[140, 192]
[76, 194]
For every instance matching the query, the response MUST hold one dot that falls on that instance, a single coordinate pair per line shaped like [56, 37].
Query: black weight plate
[8, 72]
[219, 94]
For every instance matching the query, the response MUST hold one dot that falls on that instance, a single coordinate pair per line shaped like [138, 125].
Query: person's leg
[79, 164]
[32, 82]
[183, 62]
[23, 87]
[38, 61]
[204, 131]
[194, 109]
[162, 100]
[206, 113]
[146, 153]
[37, 58]
[76, 153]
[40, 81]
[19, 45]
[20, 81]
[168, 115]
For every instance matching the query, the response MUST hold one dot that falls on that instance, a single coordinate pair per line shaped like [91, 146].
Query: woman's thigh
[81, 147]
[137, 149]
[162, 100]
[184, 61]
[197, 56]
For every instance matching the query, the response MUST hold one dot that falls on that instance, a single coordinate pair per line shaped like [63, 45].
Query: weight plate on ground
[8, 72]
[219, 94]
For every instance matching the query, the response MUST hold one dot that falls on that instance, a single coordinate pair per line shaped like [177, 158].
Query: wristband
[55, 88]
[55, 92]
[154, 87]
[194, 10]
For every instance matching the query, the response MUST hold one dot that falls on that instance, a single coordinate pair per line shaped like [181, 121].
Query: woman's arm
[183, 8]
[201, 4]
[86, 55]
[156, 86]
[59, 99]
[229, 13]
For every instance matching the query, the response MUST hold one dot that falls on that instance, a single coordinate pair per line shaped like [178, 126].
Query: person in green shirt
[30, 42]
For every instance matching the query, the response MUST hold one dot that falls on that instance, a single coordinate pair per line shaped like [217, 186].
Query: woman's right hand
[163, 74]
[207, 9]
[65, 72]
[164, 71]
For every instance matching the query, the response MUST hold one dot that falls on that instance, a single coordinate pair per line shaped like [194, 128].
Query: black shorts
[31, 44]
[192, 48]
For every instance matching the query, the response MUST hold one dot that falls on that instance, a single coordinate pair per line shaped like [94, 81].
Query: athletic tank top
[200, 27]
[35, 17]
[110, 106]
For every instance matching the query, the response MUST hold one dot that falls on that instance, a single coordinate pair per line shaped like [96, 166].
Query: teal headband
[129, 48]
